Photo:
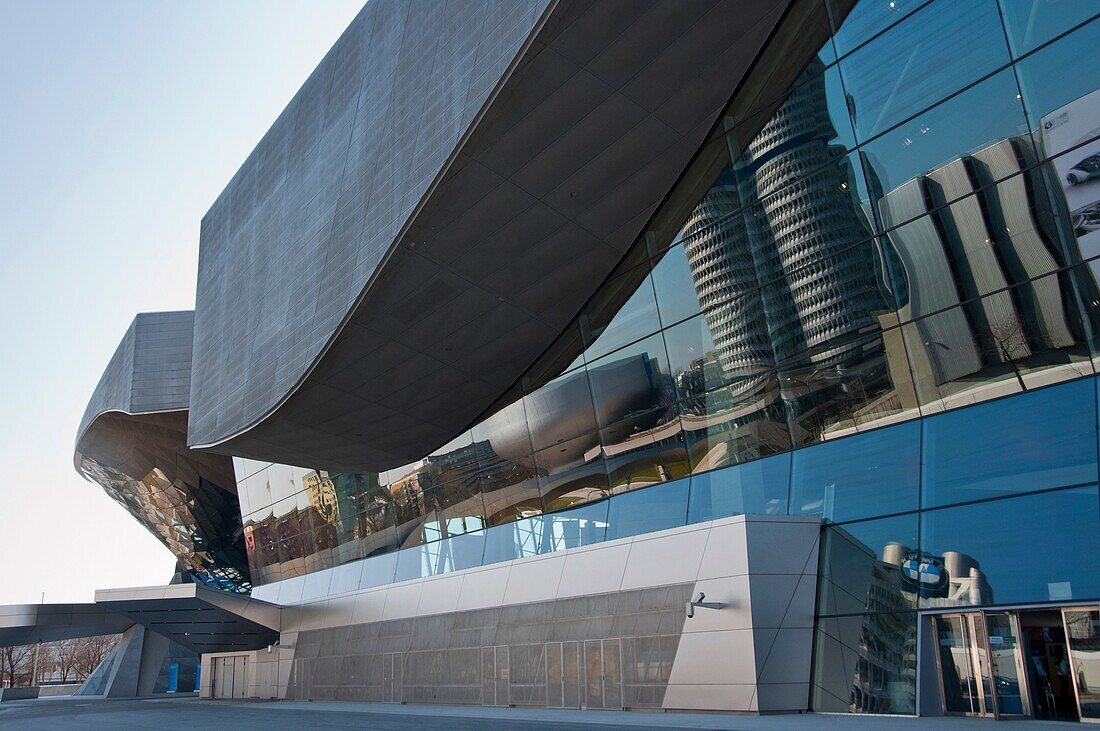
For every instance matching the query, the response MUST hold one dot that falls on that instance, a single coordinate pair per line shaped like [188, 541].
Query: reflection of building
[752, 252]
[976, 247]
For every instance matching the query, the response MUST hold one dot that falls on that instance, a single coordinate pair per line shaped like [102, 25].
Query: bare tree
[15, 664]
[65, 654]
[92, 651]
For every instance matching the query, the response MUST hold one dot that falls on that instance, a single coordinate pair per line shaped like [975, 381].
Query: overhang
[132, 441]
[202, 619]
[356, 316]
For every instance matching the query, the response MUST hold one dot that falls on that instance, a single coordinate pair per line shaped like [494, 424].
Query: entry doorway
[1027, 663]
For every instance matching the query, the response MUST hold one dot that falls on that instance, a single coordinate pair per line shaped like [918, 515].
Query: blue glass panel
[675, 285]
[414, 563]
[861, 476]
[1030, 23]
[1058, 84]
[1031, 441]
[440, 557]
[574, 527]
[858, 22]
[861, 566]
[511, 541]
[753, 488]
[980, 116]
[935, 52]
[649, 509]
[1034, 548]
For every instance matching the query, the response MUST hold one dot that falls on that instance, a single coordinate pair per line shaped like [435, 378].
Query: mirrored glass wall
[870, 235]
[896, 217]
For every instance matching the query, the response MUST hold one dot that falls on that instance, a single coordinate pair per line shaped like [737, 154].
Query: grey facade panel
[336, 331]
[150, 370]
[287, 248]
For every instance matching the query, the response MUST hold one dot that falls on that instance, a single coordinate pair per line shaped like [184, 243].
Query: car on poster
[1068, 134]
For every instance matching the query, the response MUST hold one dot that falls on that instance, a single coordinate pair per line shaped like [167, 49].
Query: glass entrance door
[1006, 663]
[1083, 636]
[980, 664]
[960, 684]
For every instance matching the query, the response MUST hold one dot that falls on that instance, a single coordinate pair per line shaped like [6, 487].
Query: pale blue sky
[120, 123]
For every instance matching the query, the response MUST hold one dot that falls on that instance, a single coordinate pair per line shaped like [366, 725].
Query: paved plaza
[164, 714]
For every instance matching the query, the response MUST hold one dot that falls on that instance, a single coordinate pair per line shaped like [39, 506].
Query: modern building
[714, 355]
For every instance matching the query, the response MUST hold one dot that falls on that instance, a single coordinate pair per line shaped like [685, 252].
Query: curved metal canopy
[132, 441]
[418, 227]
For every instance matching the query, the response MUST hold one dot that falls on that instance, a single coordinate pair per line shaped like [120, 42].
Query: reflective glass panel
[1030, 23]
[733, 424]
[859, 476]
[572, 472]
[978, 117]
[1060, 90]
[675, 285]
[632, 380]
[843, 386]
[903, 70]
[857, 21]
[1012, 340]
[581, 526]
[754, 488]
[1032, 441]
[651, 509]
[1023, 549]
[622, 311]
[862, 566]
[865, 663]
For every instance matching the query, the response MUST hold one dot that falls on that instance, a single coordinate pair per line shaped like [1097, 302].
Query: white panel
[484, 588]
[773, 602]
[311, 616]
[440, 595]
[369, 606]
[671, 559]
[338, 611]
[709, 697]
[715, 658]
[726, 553]
[534, 579]
[595, 570]
[402, 600]
[784, 697]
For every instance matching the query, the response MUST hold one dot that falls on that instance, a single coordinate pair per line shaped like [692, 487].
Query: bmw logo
[924, 571]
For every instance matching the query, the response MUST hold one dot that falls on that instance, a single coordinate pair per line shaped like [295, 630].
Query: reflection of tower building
[981, 239]
[804, 223]
[725, 278]
[788, 266]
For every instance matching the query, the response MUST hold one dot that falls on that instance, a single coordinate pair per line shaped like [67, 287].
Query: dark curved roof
[132, 441]
[433, 208]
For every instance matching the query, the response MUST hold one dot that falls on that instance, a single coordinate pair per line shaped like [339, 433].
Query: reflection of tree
[1011, 343]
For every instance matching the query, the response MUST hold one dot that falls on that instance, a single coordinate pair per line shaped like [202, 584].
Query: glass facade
[871, 298]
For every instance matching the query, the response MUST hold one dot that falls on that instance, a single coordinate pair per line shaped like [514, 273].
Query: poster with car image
[1074, 127]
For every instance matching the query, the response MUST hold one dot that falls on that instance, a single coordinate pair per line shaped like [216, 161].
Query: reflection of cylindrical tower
[725, 280]
[804, 223]
[787, 272]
